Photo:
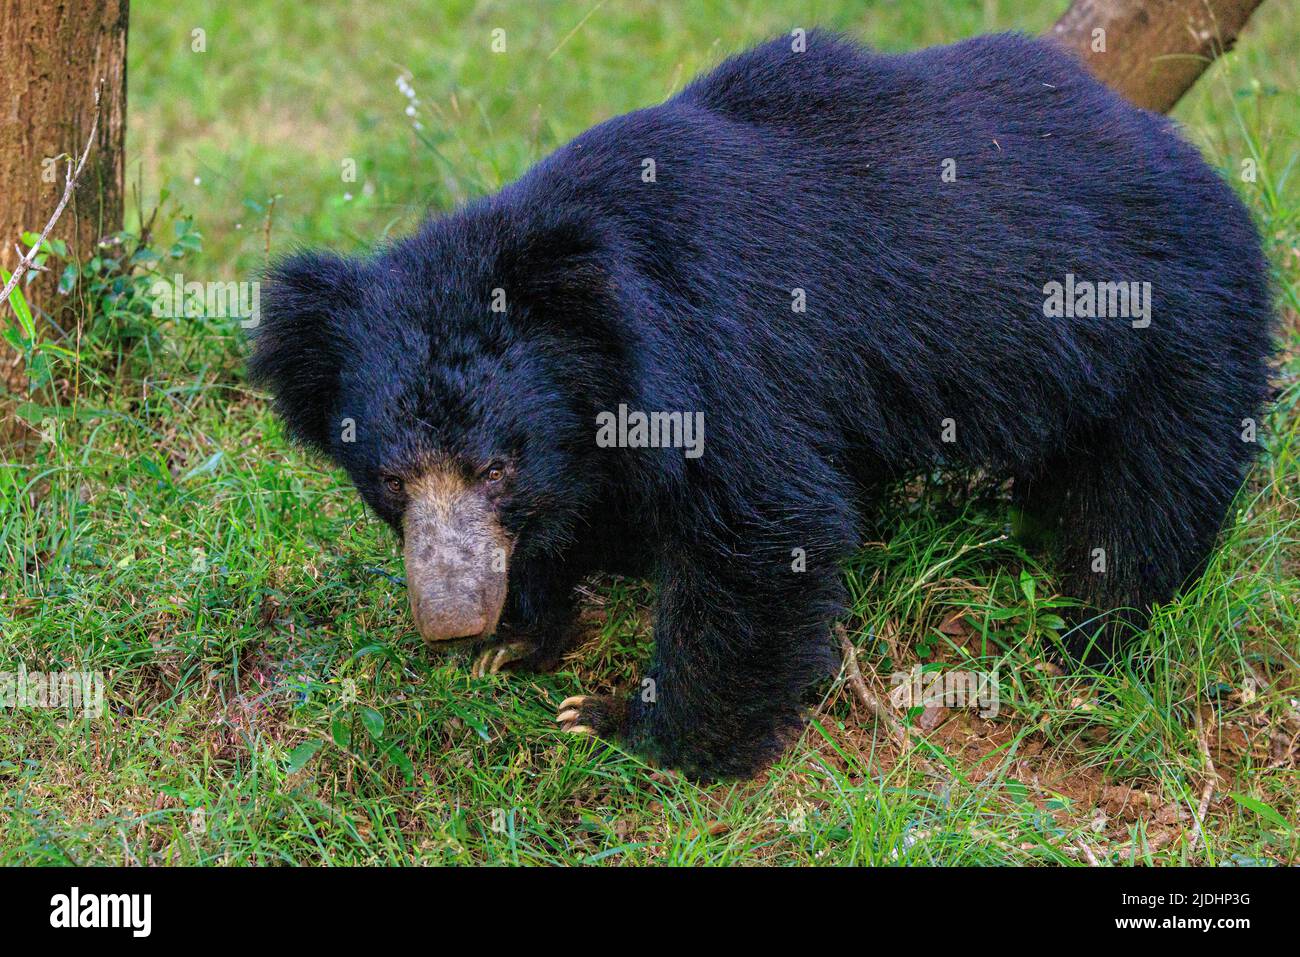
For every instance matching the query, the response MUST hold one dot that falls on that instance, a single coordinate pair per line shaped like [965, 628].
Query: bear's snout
[456, 555]
[440, 616]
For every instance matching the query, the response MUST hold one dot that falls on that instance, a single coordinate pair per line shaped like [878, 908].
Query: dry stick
[26, 262]
[266, 226]
[1088, 854]
[33, 267]
[1208, 791]
[874, 705]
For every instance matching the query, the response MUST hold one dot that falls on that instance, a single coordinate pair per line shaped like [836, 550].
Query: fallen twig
[1088, 854]
[26, 262]
[1207, 792]
[865, 696]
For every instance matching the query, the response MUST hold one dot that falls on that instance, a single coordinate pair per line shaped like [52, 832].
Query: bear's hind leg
[1132, 511]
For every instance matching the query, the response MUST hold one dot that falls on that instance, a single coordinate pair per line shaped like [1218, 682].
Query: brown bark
[54, 53]
[1154, 49]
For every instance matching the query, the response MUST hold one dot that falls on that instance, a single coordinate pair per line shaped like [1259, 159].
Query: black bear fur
[818, 171]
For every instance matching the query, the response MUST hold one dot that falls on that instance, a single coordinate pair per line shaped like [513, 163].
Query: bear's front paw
[592, 714]
[496, 657]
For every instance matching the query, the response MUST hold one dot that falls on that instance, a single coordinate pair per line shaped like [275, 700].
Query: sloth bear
[694, 343]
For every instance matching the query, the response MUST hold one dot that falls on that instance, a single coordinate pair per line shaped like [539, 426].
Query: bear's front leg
[539, 623]
[736, 645]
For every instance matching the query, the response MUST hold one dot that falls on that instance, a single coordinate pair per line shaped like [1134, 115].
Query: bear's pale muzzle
[456, 556]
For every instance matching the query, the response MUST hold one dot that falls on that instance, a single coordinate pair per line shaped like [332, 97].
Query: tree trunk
[1151, 51]
[53, 55]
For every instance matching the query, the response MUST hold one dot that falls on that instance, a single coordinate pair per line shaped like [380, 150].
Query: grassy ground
[267, 698]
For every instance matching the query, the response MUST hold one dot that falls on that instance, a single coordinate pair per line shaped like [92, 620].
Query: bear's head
[455, 376]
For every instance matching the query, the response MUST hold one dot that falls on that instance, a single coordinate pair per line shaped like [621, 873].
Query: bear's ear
[561, 272]
[301, 340]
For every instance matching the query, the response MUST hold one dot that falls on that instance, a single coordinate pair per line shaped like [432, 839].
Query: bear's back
[820, 177]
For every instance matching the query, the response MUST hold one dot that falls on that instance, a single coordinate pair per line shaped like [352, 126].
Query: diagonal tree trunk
[1151, 51]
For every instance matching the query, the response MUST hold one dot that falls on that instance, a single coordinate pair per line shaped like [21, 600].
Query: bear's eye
[393, 484]
[494, 474]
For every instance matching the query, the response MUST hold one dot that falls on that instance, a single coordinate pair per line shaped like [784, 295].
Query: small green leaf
[398, 757]
[19, 302]
[68, 279]
[1019, 793]
[1262, 809]
[341, 729]
[373, 722]
[212, 462]
[1002, 614]
[300, 755]
[154, 469]
[39, 370]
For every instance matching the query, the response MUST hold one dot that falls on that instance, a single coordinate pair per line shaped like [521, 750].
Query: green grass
[267, 698]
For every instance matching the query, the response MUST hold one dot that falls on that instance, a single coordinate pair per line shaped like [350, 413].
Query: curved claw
[496, 657]
[570, 713]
